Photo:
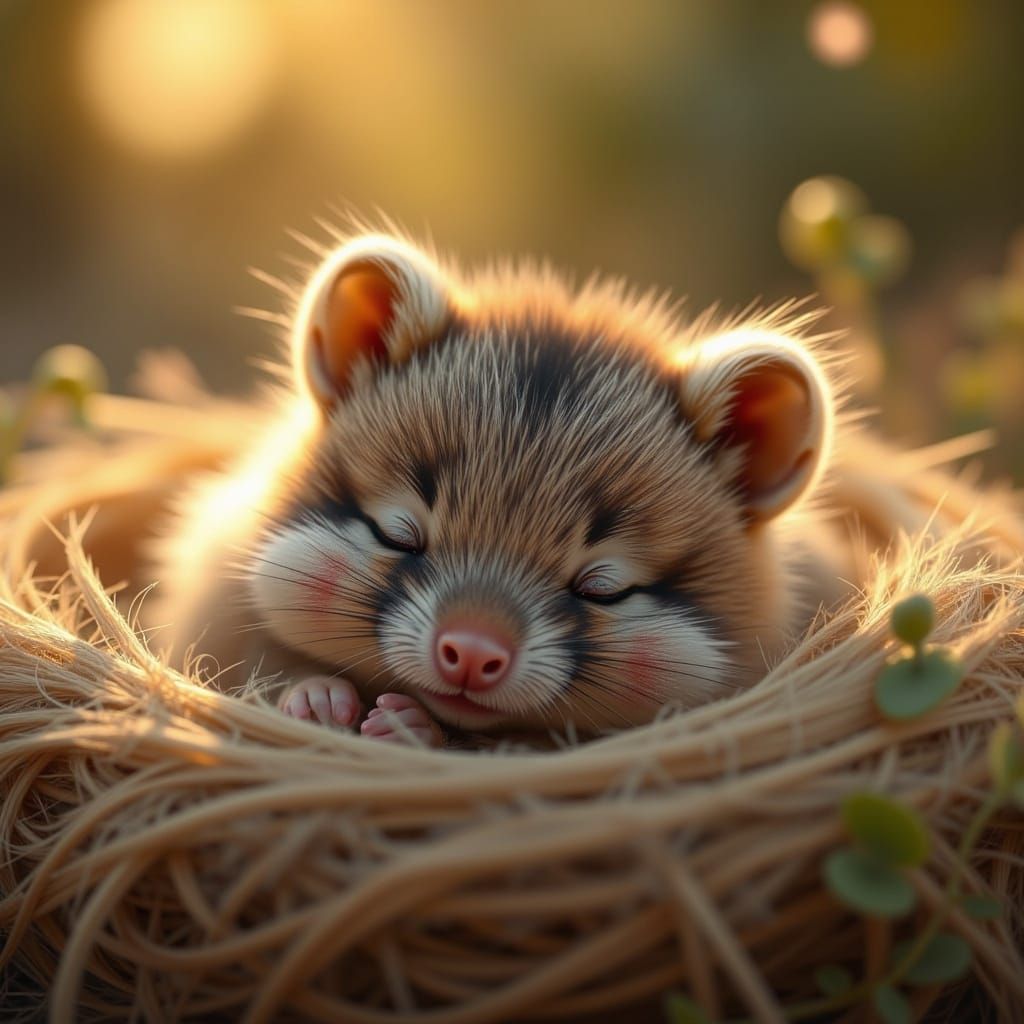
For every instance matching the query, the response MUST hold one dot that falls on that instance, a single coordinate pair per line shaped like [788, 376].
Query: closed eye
[401, 535]
[619, 595]
[602, 585]
[395, 528]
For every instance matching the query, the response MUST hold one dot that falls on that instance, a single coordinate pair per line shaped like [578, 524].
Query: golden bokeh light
[839, 33]
[176, 78]
[818, 199]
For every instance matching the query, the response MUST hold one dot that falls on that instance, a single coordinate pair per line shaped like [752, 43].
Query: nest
[172, 853]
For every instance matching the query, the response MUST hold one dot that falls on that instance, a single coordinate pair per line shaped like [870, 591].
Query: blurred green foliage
[69, 374]
[872, 875]
[151, 150]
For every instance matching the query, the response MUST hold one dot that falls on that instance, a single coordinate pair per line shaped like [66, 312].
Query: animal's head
[529, 506]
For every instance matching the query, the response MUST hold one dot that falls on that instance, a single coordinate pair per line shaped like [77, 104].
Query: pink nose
[471, 657]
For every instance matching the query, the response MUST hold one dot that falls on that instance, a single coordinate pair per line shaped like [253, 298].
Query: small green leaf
[681, 1010]
[982, 908]
[913, 619]
[833, 980]
[879, 249]
[814, 227]
[892, 1006]
[911, 687]
[868, 885]
[892, 832]
[1006, 757]
[946, 958]
[71, 371]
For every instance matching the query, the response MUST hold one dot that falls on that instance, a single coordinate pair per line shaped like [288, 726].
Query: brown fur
[520, 473]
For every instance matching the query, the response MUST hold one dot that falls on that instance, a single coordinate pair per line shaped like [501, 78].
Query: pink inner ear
[770, 418]
[360, 308]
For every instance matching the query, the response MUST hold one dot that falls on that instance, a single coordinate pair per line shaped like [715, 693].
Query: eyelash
[619, 595]
[417, 547]
[610, 598]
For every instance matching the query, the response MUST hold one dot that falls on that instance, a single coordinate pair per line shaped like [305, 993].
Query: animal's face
[520, 520]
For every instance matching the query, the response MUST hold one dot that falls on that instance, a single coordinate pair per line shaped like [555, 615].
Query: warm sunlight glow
[248, 488]
[176, 77]
[814, 201]
[839, 33]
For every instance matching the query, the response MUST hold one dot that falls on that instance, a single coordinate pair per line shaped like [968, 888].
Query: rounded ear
[370, 303]
[762, 399]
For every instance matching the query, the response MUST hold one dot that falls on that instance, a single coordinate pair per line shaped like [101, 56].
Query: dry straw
[172, 853]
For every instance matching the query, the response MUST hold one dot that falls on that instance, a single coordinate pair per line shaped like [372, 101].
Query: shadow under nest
[171, 853]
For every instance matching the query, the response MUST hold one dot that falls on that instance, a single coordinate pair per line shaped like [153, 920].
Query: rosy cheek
[646, 661]
[326, 587]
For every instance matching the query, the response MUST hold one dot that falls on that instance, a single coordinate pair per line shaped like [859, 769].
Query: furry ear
[764, 401]
[370, 303]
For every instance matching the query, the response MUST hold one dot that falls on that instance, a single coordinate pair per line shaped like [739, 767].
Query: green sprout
[72, 373]
[69, 373]
[816, 224]
[826, 228]
[889, 840]
[915, 684]
[913, 620]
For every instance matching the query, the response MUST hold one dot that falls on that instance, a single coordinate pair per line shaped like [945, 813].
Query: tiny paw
[417, 725]
[322, 699]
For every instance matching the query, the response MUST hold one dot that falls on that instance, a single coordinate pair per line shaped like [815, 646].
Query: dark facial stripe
[423, 476]
[405, 571]
[604, 523]
[549, 370]
[567, 609]
[337, 510]
[672, 589]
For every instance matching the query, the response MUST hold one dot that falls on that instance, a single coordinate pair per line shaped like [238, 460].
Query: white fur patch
[540, 672]
[687, 664]
[304, 579]
[647, 656]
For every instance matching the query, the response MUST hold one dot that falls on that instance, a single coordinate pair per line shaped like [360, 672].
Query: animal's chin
[461, 711]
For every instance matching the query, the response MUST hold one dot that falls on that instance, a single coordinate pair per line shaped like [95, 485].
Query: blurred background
[152, 150]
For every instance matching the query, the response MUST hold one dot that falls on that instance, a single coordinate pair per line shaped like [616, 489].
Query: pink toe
[343, 708]
[298, 706]
[395, 701]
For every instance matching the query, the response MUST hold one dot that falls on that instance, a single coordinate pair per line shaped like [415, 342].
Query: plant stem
[11, 440]
[951, 894]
